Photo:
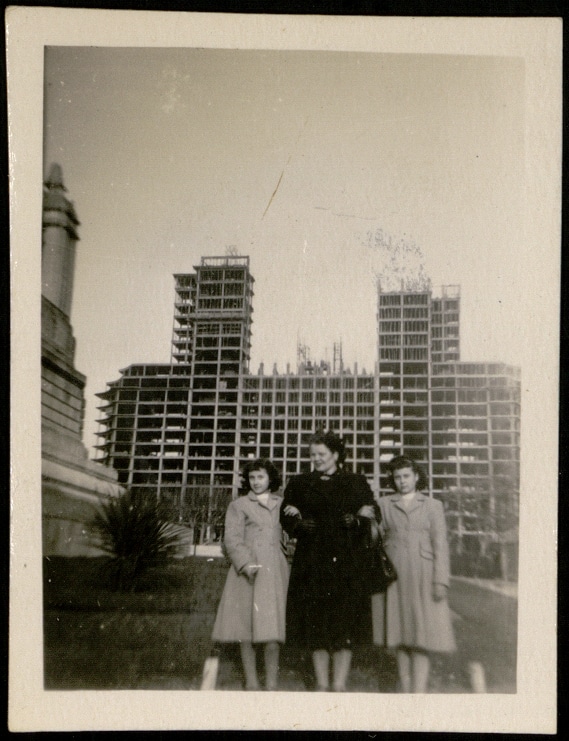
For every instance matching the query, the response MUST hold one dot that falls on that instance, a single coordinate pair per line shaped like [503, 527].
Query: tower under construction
[185, 429]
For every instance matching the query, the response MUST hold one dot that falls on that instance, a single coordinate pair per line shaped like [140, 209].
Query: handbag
[383, 571]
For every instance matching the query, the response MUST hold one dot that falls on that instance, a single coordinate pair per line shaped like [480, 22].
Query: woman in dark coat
[328, 603]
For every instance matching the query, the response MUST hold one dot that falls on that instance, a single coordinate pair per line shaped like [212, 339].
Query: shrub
[133, 530]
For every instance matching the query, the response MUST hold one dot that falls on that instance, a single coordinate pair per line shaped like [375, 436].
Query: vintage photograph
[284, 370]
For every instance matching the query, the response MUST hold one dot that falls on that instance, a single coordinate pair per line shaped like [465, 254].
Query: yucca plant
[132, 529]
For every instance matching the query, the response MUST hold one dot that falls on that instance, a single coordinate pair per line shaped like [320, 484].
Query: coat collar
[417, 502]
[272, 501]
[316, 476]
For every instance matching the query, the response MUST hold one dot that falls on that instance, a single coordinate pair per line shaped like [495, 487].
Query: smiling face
[259, 481]
[323, 459]
[405, 480]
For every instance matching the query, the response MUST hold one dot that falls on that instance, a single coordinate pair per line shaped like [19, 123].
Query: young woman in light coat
[253, 603]
[413, 616]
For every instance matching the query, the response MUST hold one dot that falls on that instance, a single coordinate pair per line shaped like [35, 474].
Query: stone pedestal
[72, 489]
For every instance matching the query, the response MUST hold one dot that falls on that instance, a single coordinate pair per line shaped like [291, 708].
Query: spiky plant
[132, 529]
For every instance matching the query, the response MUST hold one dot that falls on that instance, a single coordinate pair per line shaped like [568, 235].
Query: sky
[308, 162]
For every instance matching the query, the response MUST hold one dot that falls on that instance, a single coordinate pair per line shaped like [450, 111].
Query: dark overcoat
[415, 539]
[328, 603]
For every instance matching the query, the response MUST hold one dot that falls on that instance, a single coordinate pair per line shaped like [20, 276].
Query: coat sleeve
[439, 540]
[292, 495]
[363, 496]
[363, 490]
[371, 528]
[237, 549]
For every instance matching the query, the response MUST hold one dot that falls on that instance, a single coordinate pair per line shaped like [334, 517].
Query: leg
[404, 670]
[420, 670]
[271, 665]
[321, 661]
[249, 661]
[342, 661]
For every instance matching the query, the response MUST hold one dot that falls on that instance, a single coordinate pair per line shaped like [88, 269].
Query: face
[323, 459]
[259, 481]
[405, 480]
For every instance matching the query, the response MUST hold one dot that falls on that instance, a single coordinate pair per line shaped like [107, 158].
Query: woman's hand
[306, 526]
[291, 511]
[439, 592]
[250, 571]
[301, 526]
[349, 521]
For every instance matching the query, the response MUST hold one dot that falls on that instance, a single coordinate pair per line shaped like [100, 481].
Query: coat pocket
[426, 551]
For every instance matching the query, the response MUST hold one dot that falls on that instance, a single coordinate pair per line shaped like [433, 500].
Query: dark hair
[333, 442]
[403, 461]
[264, 463]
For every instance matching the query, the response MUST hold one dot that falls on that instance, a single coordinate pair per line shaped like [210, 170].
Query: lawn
[159, 636]
[156, 636]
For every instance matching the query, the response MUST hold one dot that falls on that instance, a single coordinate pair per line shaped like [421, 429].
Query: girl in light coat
[253, 603]
[413, 616]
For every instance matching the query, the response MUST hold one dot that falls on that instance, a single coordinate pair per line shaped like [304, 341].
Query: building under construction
[180, 429]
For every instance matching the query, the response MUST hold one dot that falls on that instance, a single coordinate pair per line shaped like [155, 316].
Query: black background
[460, 8]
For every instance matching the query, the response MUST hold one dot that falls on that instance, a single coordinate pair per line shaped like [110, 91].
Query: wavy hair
[333, 442]
[260, 464]
[403, 461]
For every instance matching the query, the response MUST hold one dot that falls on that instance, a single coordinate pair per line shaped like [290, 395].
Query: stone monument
[72, 485]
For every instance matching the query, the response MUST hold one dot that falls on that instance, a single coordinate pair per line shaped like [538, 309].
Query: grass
[159, 636]
[190, 584]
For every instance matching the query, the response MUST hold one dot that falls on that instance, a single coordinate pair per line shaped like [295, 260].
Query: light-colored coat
[253, 612]
[415, 539]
